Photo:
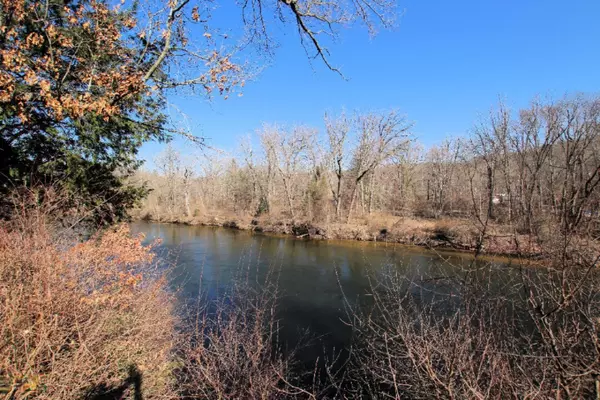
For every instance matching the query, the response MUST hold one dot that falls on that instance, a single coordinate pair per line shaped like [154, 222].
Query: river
[316, 279]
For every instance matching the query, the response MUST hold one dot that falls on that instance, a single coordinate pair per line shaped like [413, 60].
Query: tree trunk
[338, 199]
[490, 188]
[187, 203]
[288, 195]
[352, 200]
[362, 197]
[371, 189]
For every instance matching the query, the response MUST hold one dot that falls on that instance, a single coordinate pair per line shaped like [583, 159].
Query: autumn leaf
[195, 14]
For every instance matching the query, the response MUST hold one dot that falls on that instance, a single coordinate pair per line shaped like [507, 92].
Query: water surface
[316, 279]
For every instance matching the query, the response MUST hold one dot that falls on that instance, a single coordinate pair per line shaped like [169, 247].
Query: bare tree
[188, 174]
[288, 150]
[262, 172]
[442, 162]
[168, 32]
[380, 137]
[406, 175]
[316, 19]
[576, 124]
[338, 130]
[169, 163]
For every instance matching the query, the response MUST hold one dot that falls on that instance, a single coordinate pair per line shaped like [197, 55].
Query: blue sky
[444, 66]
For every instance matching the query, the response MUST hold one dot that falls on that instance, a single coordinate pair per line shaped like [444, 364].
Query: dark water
[315, 278]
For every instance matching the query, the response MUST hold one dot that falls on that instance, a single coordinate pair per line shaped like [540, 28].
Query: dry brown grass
[81, 320]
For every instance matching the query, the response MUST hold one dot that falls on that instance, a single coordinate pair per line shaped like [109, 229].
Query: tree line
[526, 168]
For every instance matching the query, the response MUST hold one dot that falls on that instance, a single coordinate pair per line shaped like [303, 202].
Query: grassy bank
[447, 233]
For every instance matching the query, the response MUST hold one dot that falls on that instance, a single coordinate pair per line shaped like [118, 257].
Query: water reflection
[309, 272]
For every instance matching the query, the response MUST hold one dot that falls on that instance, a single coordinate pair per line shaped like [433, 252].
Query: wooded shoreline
[458, 237]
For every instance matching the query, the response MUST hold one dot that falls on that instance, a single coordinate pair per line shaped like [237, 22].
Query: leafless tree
[442, 162]
[168, 163]
[262, 172]
[338, 130]
[380, 137]
[406, 175]
[288, 149]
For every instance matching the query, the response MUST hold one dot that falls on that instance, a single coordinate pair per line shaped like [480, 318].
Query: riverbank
[455, 234]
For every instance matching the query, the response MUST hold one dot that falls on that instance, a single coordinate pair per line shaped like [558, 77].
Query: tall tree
[381, 136]
[338, 130]
[442, 163]
[288, 149]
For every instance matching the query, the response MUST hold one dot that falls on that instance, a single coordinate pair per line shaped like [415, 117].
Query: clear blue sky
[445, 64]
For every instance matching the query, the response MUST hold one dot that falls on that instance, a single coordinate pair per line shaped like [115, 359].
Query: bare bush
[482, 333]
[232, 349]
[80, 319]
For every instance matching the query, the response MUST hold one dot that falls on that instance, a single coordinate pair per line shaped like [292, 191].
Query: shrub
[231, 351]
[479, 340]
[81, 319]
